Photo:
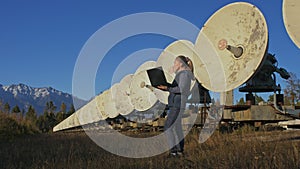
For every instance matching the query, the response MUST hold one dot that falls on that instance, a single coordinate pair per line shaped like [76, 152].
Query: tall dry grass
[241, 149]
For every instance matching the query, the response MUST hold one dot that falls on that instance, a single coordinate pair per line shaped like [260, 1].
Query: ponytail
[190, 64]
[187, 62]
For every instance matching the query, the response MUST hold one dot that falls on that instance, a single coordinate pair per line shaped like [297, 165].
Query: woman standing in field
[179, 91]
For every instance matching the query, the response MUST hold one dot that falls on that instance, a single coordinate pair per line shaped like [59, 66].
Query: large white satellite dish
[291, 13]
[169, 54]
[122, 99]
[100, 100]
[233, 42]
[142, 97]
[89, 113]
[145, 66]
[184, 48]
[109, 104]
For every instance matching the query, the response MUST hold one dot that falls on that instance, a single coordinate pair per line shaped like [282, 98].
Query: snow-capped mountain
[24, 95]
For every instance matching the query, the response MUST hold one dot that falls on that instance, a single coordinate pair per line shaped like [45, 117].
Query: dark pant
[173, 129]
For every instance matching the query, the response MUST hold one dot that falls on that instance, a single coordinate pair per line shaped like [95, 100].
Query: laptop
[157, 77]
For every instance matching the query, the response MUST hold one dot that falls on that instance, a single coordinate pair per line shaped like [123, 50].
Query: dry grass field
[243, 148]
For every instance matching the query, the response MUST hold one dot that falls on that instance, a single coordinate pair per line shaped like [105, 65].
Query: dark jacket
[180, 89]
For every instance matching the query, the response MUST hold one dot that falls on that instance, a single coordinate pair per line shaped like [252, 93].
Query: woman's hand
[162, 87]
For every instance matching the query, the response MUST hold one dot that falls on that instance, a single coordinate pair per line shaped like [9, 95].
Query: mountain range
[24, 96]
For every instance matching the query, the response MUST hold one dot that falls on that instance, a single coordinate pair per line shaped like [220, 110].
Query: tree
[6, 108]
[31, 119]
[71, 111]
[63, 107]
[258, 99]
[1, 104]
[48, 120]
[42, 124]
[22, 113]
[292, 90]
[271, 98]
[50, 107]
[31, 116]
[60, 116]
[241, 101]
[16, 109]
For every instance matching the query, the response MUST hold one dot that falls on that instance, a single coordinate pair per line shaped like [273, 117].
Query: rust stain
[257, 32]
[232, 76]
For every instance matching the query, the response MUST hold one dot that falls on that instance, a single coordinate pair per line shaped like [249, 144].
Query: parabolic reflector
[91, 112]
[71, 121]
[232, 45]
[187, 49]
[84, 115]
[291, 13]
[121, 97]
[169, 54]
[145, 66]
[100, 100]
[142, 97]
[109, 104]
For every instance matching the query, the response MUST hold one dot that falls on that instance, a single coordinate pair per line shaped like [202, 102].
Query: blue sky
[41, 40]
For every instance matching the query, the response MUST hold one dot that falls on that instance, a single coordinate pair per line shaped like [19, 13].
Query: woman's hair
[186, 62]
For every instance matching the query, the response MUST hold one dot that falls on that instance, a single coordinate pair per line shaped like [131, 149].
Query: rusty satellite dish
[88, 113]
[121, 97]
[145, 66]
[232, 45]
[169, 54]
[167, 57]
[290, 11]
[60, 126]
[74, 121]
[109, 104]
[177, 48]
[141, 96]
[70, 122]
[100, 100]
[93, 111]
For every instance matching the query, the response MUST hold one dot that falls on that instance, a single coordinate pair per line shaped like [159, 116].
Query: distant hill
[24, 95]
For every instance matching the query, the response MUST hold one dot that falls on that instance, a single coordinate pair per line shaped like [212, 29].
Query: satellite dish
[89, 113]
[84, 115]
[167, 57]
[145, 66]
[162, 96]
[75, 120]
[232, 45]
[177, 48]
[142, 97]
[58, 127]
[291, 12]
[121, 97]
[166, 61]
[109, 104]
[71, 121]
[100, 100]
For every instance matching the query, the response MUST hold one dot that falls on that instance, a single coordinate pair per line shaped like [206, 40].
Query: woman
[179, 91]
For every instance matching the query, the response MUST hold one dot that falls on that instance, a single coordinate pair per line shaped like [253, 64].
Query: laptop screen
[157, 77]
